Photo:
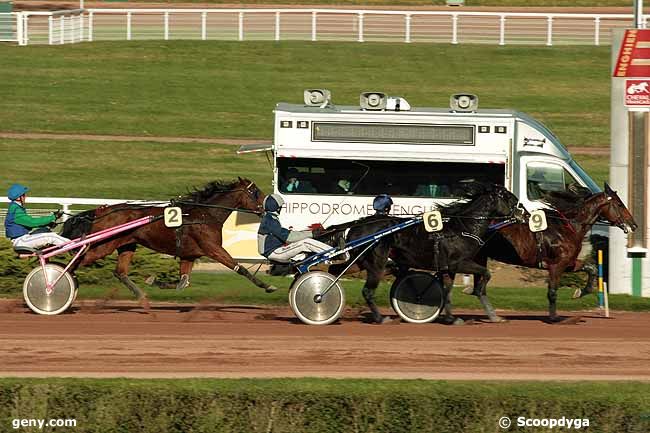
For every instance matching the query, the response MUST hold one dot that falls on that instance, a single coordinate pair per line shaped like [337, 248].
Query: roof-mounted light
[317, 97]
[372, 101]
[463, 102]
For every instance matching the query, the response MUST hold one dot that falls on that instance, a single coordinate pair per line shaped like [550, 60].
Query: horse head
[506, 203]
[615, 212]
[249, 196]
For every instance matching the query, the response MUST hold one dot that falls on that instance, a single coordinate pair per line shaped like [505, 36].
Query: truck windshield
[370, 178]
[582, 174]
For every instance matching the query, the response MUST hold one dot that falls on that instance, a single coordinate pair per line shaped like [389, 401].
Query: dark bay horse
[449, 251]
[557, 248]
[204, 212]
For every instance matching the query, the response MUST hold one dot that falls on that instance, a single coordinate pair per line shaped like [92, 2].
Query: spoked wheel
[61, 297]
[417, 297]
[312, 301]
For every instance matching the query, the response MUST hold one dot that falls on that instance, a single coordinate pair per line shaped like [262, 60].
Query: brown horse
[204, 213]
[557, 248]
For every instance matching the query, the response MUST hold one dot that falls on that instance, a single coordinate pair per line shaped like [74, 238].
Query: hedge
[319, 405]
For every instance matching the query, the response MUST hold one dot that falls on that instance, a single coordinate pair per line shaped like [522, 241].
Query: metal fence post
[597, 31]
[313, 26]
[62, 30]
[360, 39]
[549, 31]
[454, 29]
[407, 37]
[90, 27]
[277, 26]
[128, 26]
[502, 30]
[81, 27]
[241, 26]
[50, 30]
[166, 24]
[204, 26]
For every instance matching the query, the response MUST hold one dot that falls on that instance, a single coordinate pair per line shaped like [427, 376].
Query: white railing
[8, 27]
[323, 25]
[64, 204]
[53, 28]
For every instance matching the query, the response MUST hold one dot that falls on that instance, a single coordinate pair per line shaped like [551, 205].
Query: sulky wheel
[311, 300]
[417, 297]
[62, 295]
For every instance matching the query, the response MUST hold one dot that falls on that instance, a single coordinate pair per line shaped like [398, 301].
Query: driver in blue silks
[279, 244]
[382, 204]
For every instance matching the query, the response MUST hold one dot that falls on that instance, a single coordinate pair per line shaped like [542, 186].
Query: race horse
[556, 249]
[448, 251]
[204, 212]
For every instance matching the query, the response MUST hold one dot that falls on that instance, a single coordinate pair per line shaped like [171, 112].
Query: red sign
[634, 56]
[637, 93]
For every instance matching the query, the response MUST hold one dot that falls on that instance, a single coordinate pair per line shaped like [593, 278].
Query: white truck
[330, 161]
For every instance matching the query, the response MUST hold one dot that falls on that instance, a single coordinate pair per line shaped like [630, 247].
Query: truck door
[539, 174]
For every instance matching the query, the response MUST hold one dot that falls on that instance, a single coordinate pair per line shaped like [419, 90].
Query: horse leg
[219, 254]
[481, 278]
[183, 279]
[121, 272]
[185, 271]
[448, 285]
[374, 277]
[554, 274]
[592, 271]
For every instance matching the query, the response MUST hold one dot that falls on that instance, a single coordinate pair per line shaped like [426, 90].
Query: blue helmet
[382, 203]
[16, 190]
[273, 203]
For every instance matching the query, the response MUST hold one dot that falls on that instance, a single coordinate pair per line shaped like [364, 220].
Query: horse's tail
[79, 225]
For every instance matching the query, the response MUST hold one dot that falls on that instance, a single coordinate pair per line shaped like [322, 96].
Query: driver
[382, 204]
[279, 244]
[25, 230]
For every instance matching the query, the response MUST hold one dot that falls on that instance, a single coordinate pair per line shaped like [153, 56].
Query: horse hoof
[150, 280]
[183, 282]
[270, 289]
[468, 290]
[498, 319]
[383, 320]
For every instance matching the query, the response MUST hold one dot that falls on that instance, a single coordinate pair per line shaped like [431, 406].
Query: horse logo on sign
[637, 93]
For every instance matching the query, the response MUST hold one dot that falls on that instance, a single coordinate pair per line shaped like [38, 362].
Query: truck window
[544, 177]
[370, 178]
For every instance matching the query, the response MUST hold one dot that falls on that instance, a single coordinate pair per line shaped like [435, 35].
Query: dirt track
[122, 340]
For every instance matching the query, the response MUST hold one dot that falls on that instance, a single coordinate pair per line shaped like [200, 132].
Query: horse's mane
[568, 202]
[200, 195]
[468, 192]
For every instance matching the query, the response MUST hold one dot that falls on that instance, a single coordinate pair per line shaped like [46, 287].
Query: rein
[213, 206]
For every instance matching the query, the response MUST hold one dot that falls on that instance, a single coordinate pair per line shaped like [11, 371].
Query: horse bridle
[620, 220]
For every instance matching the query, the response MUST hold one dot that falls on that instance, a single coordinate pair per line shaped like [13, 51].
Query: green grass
[320, 405]
[229, 89]
[124, 170]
